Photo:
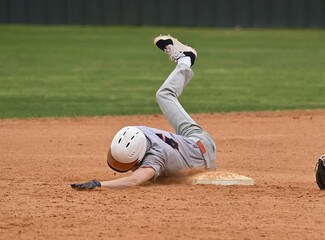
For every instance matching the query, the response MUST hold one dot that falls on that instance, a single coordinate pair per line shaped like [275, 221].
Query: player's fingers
[83, 186]
[78, 187]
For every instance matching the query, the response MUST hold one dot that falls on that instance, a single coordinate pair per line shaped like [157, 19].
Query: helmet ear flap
[116, 165]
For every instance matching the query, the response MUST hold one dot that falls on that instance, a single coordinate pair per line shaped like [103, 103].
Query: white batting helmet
[127, 149]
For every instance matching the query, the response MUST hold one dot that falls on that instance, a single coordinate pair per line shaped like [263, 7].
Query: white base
[221, 178]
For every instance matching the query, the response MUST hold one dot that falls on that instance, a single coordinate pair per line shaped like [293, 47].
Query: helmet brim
[118, 166]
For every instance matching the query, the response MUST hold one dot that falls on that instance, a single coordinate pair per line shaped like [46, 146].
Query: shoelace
[173, 53]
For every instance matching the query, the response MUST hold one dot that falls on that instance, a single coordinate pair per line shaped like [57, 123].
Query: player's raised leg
[172, 88]
[168, 93]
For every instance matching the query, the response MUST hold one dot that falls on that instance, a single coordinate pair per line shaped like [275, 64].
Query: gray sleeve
[155, 162]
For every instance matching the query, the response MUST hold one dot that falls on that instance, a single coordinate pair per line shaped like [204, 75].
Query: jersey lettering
[160, 136]
[171, 142]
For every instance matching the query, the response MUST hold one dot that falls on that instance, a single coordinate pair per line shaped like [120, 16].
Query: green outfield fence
[202, 13]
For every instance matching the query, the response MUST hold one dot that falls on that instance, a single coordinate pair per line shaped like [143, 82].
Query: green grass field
[85, 71]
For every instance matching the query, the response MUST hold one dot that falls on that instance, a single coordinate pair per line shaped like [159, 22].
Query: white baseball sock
[186, 60]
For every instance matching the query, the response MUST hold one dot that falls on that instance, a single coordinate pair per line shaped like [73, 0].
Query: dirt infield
[41, 157]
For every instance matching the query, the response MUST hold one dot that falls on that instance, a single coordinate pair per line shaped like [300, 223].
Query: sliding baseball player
[151, 153]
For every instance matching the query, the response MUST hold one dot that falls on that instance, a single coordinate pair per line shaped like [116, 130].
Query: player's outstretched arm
[138, 177]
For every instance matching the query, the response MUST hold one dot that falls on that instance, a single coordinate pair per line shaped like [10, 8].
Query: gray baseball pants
[167, 98]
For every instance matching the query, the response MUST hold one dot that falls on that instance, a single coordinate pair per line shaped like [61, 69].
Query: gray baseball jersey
[169, 153]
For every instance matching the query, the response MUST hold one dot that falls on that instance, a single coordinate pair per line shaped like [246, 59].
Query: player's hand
[86, 186]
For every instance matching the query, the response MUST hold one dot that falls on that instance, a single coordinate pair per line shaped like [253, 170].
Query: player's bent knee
[159, 95]
[164, 94]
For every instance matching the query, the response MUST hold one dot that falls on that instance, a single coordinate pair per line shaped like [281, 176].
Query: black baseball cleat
[174, 48]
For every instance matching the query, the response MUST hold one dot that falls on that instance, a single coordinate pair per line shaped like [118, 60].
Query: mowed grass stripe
[87, 71]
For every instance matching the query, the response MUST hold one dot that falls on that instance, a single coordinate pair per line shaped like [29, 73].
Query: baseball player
[151, 153]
